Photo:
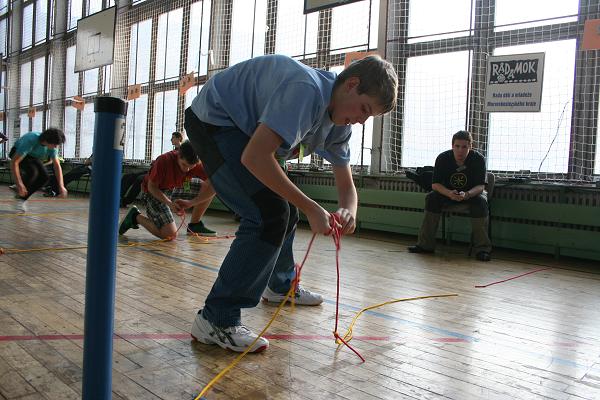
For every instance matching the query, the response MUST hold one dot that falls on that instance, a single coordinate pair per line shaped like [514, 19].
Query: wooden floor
[535, 337]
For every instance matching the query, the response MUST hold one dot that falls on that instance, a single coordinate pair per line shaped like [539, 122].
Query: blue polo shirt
[286, 95]
[29, 145]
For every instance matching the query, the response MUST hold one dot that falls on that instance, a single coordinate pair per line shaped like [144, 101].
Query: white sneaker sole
[237, 349]
[296, 302]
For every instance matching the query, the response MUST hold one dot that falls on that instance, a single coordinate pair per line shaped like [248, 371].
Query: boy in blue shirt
[245, 122]
[26, 163]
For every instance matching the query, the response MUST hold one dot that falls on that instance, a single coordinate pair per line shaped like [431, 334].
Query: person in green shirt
[26, 163]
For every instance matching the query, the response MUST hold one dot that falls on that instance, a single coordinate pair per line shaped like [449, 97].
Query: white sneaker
[303, 297]
[236, 338]
[21, 206]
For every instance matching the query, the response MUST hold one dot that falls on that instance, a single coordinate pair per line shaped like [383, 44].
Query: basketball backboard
[95, 40]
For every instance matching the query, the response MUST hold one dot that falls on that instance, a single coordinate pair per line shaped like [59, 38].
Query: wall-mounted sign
[514, 83]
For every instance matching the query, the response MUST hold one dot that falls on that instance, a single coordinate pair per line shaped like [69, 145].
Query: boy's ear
[352, 82]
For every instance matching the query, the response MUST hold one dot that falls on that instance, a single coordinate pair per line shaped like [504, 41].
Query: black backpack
[422, 176]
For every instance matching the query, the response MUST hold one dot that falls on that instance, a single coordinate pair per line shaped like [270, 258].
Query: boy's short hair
[178, 135]
[186, 151]
[53, 136]
[462, 135]
[377, 79]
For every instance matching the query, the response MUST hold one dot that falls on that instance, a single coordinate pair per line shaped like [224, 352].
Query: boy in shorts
[176, 181]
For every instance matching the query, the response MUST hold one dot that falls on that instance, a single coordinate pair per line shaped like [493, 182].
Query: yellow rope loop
[348, 335]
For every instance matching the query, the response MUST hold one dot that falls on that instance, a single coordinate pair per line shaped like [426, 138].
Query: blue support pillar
[109, 136]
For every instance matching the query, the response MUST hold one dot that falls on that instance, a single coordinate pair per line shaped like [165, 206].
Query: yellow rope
[348, 335]
[238, 358]
[10, 215]
[139, 244]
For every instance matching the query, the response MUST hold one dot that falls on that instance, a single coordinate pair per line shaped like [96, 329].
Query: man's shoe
[483, 256]
[50, 193]
[13, 188]
[418, 249]
[302, 297]
[198, 228]
[20, 206]
[236, 338]
[129, 220]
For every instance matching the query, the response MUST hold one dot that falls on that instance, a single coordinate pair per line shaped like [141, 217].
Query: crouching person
[176, 181]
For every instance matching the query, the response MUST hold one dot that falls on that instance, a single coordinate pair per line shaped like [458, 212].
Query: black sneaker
[198, 228]
[418, 249]
[483, 256]
[129, 220]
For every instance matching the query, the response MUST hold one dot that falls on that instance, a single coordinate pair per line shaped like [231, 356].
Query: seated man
[176, 181]
[26, 165]
[458, 176]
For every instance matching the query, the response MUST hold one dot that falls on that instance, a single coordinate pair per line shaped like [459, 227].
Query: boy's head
[52, 138]
[176, 139]
[187, 157]
[462, 141]
[368, 87]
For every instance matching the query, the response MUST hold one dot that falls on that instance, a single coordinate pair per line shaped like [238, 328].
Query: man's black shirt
[461, 178]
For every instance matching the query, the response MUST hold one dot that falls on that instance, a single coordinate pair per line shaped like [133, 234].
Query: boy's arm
[347, 197]
[207, 192]
[59, 177]
[259, 158]
[160, 196]
[16, 170]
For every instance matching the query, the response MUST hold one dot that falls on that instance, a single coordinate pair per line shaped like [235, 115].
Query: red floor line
[182, 336]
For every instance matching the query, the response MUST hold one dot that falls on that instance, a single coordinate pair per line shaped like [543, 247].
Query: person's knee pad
[275, 215]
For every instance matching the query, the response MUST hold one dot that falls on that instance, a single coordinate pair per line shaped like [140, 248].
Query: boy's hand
[347, 221]
[184, 204]
[318, 218]
[62, 192]
[21, 190]
[176, 208]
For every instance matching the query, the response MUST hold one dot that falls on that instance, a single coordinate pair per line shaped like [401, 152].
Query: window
[139, 52]
[434, 106]
[248, 37]
[135, 138]
[41, 20]
[165, 121]
[198, 46]
[36, 122]
[168, 48]
[86, 133]
[442, 18]
[39, 75]
[70, 132]
[27, 26]
[94, 6]
[71, 78]
[532, 10]
[354, 36]
[25, 80]
[75, 10]
[90, 81]
[3, 35]
[291, 32]
[537, 141]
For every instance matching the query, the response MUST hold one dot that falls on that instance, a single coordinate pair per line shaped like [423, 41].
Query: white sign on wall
[514, 83]
[95, 40]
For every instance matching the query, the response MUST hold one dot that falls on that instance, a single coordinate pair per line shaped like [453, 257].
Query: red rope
[336, 234]
[511, 278]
